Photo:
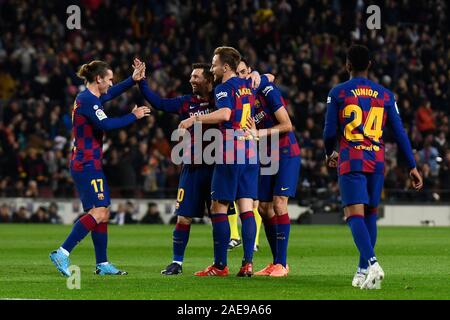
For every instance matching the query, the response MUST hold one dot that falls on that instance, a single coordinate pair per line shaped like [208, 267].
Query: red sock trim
[182, 227]
[88, 222]
[101, 227]
[283, 219]
[272, 221]
[218, 217]
[372, 210]
[355, 216]
[246, 215]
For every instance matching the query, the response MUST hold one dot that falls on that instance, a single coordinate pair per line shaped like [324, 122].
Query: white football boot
[374, 277]
[359, 278]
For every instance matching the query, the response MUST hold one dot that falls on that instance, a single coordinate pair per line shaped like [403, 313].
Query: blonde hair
[228, 55]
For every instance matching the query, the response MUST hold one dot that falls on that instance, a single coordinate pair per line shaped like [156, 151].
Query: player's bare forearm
[215, 117]
[279, 128]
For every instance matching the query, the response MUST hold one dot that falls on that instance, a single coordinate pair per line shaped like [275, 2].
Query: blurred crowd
[301, 42]
[23, 214]
[126, 213]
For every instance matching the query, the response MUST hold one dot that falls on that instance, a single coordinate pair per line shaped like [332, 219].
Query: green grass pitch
[322, 261]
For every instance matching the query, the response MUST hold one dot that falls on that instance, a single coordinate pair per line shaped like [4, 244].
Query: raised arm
[117, 89]
[168, 105]
[121, 87]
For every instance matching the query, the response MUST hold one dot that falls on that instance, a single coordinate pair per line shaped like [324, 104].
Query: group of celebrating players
[230, 97]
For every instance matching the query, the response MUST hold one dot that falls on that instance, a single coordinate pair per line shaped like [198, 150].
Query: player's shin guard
[282, 238]
[248, 234]
[180, 240]
[221, 237]
[270, 227]
[100, 239]
[80, 229]
[361, 237]
[370, 219]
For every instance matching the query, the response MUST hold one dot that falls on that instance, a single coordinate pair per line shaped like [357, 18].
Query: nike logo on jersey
[192, 107]
[284, 189]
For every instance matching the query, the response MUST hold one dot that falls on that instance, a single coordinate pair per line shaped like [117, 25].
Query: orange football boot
[279, 271]
[212, 271]
[266, 271]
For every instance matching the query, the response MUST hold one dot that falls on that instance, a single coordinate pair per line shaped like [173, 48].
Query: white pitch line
[20, 299]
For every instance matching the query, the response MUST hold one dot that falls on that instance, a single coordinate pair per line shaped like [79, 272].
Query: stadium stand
[302, 42]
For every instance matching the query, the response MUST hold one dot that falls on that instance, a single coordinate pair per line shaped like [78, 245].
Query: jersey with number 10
[357, 112]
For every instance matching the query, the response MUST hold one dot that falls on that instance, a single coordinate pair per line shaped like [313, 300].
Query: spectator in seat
[40, 216]
[152, 216]
[425, 119]
[53, 214]
[5, 215]
[21, 215]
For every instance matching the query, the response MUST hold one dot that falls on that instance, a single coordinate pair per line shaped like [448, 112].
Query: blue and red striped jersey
[237, 94]
[357, 112]
[88, 123]
[269, 100]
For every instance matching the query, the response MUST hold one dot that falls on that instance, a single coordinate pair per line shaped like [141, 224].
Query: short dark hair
[245, 61]
[89, 71]
[359, 57]
[206, 70]
[228, 55]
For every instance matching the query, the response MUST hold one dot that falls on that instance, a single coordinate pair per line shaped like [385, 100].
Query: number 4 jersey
[357, 112]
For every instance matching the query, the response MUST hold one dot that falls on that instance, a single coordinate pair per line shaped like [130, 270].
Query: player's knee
[219, 206]
[100, 214]
[263, 209]
[280, 205]
[184, 220]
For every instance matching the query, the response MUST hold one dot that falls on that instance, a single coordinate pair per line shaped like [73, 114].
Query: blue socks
[270, 227]
[248, 235]
[80, 229]
[370, 220]
[100, 239]
[180, 240]
[282, 238]
[361, 237]
[221, 237]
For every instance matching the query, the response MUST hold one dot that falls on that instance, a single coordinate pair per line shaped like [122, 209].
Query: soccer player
[195, 181]
[274, 190]
[357, 112]
[89, 122]
[234, 179]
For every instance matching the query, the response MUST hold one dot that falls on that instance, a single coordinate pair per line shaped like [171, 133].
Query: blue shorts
[234, 181]
[361, 188]
[92, 188]
[283, 183]
[194, 191]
